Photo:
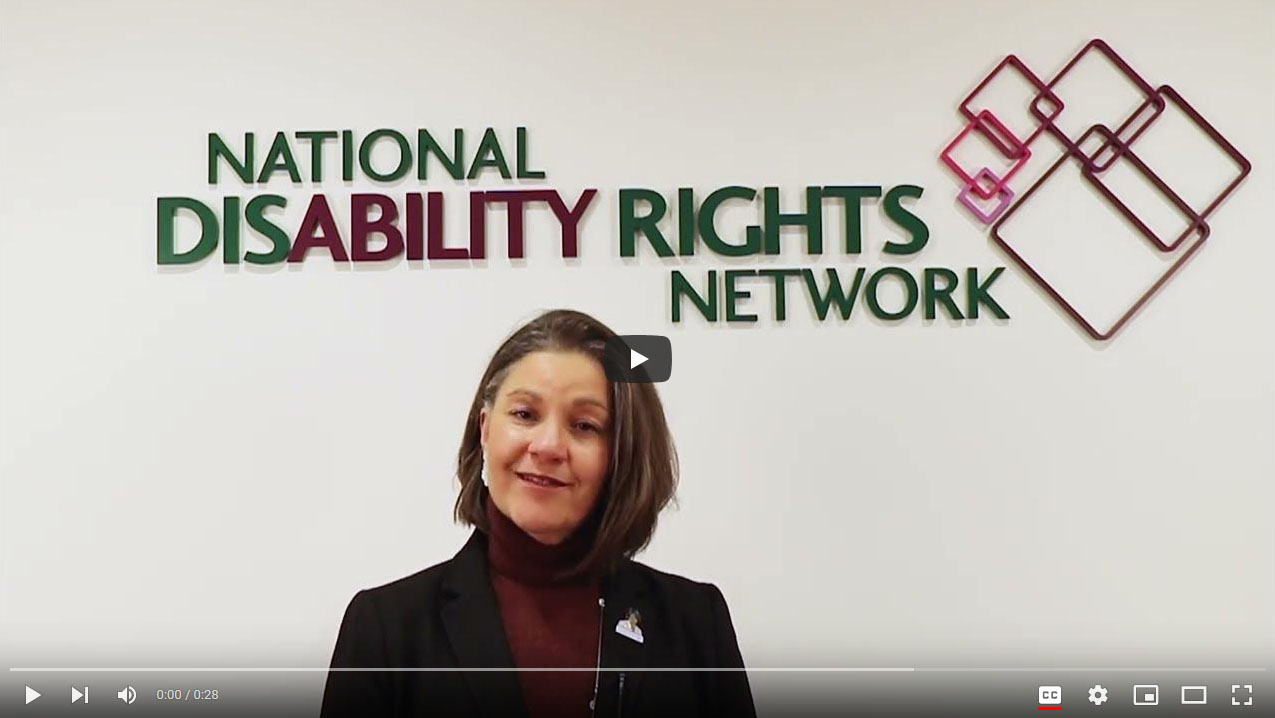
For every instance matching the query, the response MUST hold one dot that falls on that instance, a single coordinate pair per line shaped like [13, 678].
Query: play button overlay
[638, 359]
[32, 694]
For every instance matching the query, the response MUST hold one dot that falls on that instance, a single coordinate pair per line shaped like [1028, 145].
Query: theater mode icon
[1195, 695]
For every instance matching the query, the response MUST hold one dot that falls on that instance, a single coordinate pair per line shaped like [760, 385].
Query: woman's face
[547, 437]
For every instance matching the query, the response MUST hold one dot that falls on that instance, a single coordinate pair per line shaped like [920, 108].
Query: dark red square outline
[1198, 225]
[1129, 73]
[1122, 151]
[1208, 129]
[1041, 91]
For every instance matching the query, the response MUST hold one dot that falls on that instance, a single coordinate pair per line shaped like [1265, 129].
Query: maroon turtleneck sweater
[551, 622]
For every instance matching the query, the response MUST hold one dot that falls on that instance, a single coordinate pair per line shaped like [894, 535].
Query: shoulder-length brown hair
[642, 474]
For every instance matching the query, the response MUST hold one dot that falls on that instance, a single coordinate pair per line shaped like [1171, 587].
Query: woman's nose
[550, 440]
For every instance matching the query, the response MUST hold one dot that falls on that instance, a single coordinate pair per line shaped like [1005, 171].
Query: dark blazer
[447, 617]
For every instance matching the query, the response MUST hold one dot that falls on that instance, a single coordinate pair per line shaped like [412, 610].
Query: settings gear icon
[1097, 695]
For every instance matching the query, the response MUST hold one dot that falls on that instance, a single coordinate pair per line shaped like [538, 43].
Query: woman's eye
[521, 414]
[586, 426]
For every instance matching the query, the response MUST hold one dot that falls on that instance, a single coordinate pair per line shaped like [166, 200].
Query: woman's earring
[486, 482]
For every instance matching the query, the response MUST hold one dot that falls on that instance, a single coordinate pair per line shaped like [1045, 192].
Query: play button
[638, 358]
[32, 694]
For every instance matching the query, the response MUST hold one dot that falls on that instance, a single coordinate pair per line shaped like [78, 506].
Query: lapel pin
[631, 626]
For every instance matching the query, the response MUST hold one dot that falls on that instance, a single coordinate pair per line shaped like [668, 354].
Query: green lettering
[822, 302]
[218, 150]
[686, 221]
[523, 172]
[708, 231]
[733, 295]
[976, 294]
[681, 288]
[907, 221]
[851, 202]
[935, 294]
[404, 155]
[489, 155]
[811, 219]
[166, 217]
[427, 147]
[279, 158]
[909, 285]
[648, 224]
[230, 230]
[347, 155]
[781, 309]
[316, 139]
[255, 214]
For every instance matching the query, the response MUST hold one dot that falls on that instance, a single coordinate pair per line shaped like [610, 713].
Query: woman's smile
[542, 482]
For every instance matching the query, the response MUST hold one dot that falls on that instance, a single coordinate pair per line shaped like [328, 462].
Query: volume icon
[128, 695]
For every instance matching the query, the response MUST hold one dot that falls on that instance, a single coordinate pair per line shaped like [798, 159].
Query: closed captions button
[1049, 695]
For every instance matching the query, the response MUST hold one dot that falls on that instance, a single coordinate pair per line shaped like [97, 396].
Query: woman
[563, 475]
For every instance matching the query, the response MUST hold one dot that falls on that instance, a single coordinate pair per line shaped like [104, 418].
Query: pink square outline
[981, 122]
[987, 217]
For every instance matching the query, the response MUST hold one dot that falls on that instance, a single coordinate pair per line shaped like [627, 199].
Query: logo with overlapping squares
[1116, 147]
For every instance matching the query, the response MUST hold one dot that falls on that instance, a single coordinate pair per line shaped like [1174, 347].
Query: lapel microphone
[597, 671]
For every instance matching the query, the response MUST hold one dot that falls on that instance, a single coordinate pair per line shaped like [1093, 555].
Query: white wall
[203, 464]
